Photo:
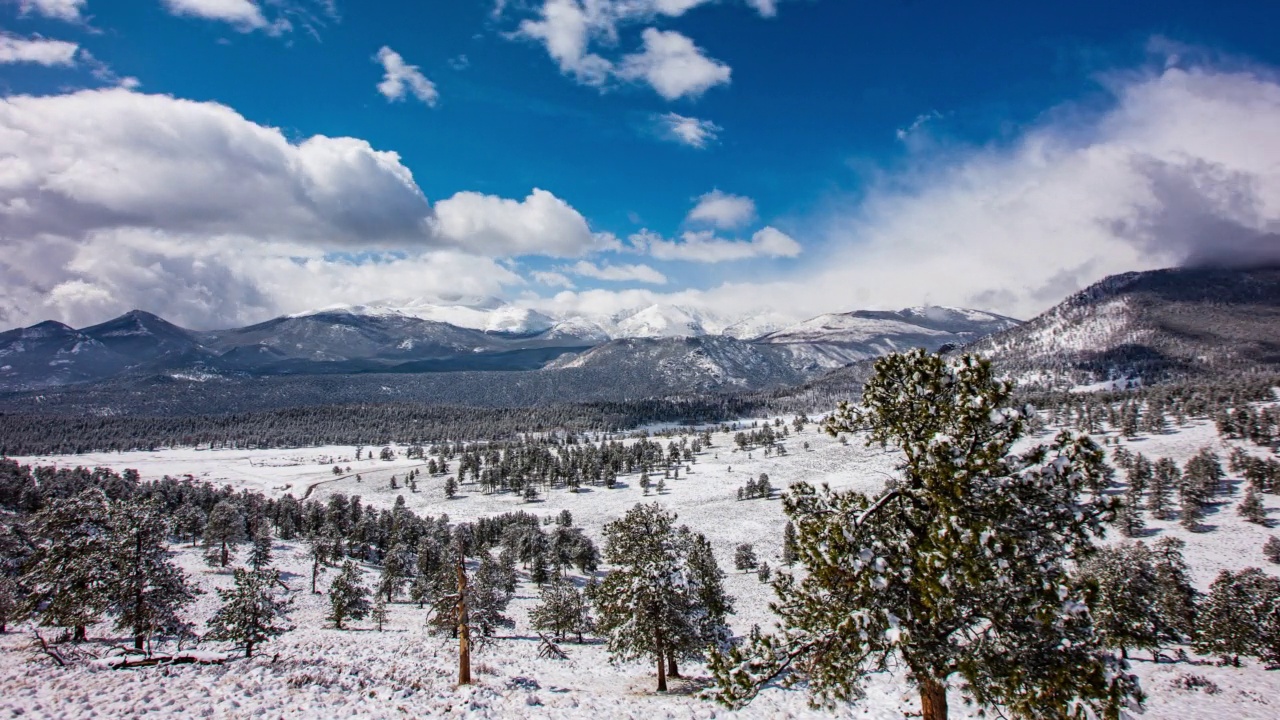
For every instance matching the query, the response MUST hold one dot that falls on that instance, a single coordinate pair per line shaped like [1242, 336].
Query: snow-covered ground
[315, 671]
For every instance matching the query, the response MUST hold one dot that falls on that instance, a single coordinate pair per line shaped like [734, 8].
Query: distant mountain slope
[1151, 326]
[839, 339]
[697, 364]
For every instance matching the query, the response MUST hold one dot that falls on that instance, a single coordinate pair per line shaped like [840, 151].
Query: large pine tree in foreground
[252, 612]
[957, 571]
[145, 588]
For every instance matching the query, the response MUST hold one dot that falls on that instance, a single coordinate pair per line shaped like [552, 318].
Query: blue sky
[823, 116]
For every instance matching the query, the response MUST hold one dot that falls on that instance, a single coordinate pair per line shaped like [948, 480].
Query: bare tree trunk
[78, 634]
[672, 670]
[464, 629]
[933, 700]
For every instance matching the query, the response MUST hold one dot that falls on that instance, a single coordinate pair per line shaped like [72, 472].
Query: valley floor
[403, 671]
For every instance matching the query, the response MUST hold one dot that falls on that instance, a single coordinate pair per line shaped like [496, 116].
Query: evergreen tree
[1175, 602]
[707, 606]
[763, 573]
[251, 610]
[1164, 480]
[348, 597]
[642, 607]
[1241, 616]
[789, 555]
[146, 589]
[1271, 549]
[960, 567]
[1129, 516]
[379, 613]
[450, 487]
[225, 528]
[68, 571]
[561, 610]
[322, 549]
[1124, 585]
[395, 568]
[744, 558]
[1251, 508]
[260, 553]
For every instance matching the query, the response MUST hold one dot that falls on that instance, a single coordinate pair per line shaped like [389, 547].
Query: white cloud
[571, 30]
[766, 8]
[244, 15]
[565, 29]
[723, 210]
[673, 66]
[617, 273]
[69, 10]
[111, 199]
[401, 78]
[541, 224]
[551, 279]
[686, 130]
[706, 247]
[37, 50]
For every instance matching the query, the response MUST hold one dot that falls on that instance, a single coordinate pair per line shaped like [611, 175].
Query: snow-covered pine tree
[1175, 602]
[348, 597]
[744, 558]
[1164, 479]
[1241, 616]
[707, 606]
[1271, 549]
[379, 613]
[469, 607]
[260, 553]
[251, 611]
[1251, 508]
[145, 589]
[789, 544]
[224, 528]
[323, 549]
[1129, 514]
[1124, 584]
[68, 571]
[396, 565]
[641, 607]
[959, 567]
[561, 610]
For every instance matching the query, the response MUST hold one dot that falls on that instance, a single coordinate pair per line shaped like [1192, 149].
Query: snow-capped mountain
[839, 339]
[684, 348]
[1148, 327]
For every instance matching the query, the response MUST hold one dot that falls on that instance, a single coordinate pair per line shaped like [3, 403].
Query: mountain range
[675, 347]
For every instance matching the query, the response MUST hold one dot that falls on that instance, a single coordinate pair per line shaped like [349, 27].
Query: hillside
[1148, 327]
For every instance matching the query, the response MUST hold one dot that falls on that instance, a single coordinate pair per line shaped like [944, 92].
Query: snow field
[406, 672]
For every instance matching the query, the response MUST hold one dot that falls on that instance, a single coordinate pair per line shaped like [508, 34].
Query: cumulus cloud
[244, 15]
[706, 247]
[673, 65]
[401, 78]
[723, 210]
[69, 10]
[37, 51]
[541, 224]
[616, 273]
[686, 130]
[111, 199]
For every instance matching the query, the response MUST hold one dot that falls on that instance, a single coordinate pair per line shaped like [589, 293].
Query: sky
[221, 162]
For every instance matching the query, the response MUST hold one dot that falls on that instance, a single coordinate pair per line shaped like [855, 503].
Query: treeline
[362, 424]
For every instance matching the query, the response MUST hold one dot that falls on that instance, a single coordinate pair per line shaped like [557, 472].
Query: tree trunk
[933, 700]
[137, 640]
[78, 635]
[464, 629]
[662, 664]
[672, 670]
[248, 649]
[225, 557]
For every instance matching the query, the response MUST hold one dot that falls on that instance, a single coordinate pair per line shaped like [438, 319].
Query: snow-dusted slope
[1148, 326]
[838, 339]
